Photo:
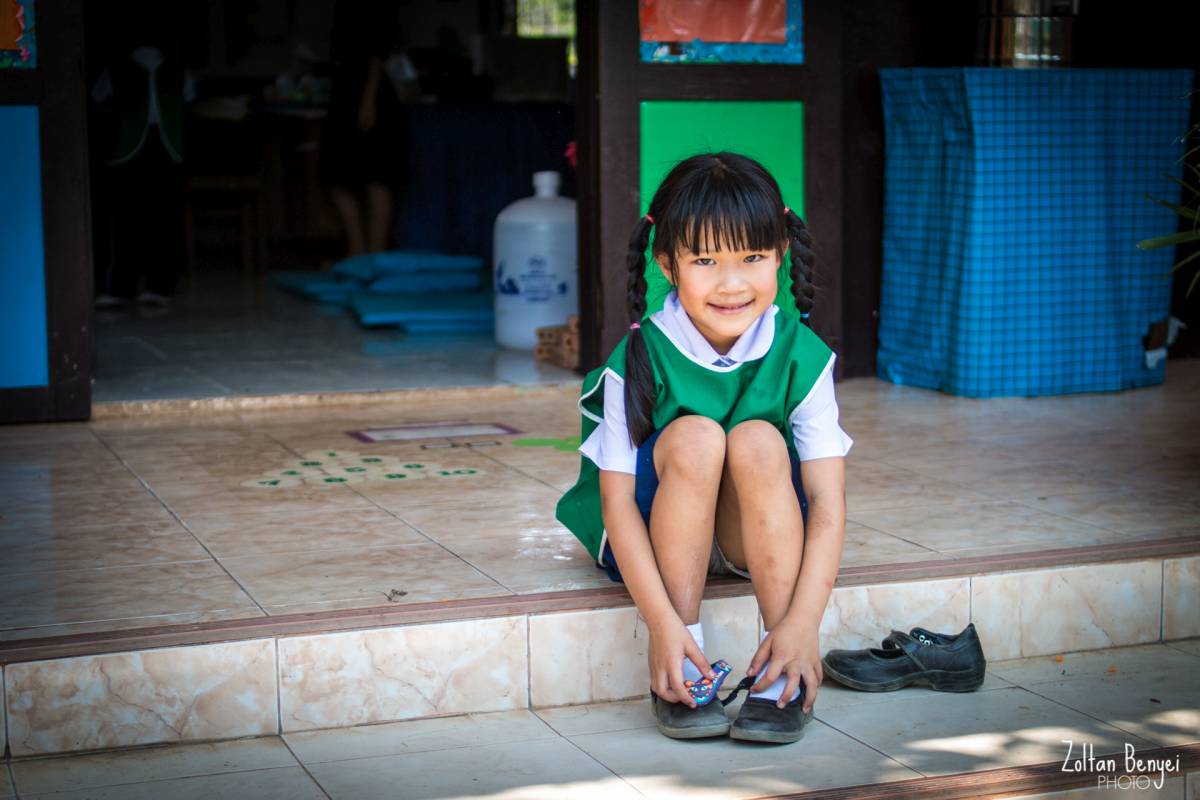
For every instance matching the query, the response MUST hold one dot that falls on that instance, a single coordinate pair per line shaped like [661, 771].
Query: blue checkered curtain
[1013, 204]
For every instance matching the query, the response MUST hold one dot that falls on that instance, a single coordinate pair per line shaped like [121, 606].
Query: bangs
[715, 210]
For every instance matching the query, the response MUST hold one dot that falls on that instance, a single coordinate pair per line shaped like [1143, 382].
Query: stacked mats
[420, 291]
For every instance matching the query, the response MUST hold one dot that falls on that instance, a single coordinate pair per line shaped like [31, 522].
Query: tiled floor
[1142, 696]
[127, 523]
[228, 337]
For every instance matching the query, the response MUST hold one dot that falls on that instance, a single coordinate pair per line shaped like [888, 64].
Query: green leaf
[1167, 241]
[1192, 285]
[1184, 261]
[1191, 189]
[1182, 211]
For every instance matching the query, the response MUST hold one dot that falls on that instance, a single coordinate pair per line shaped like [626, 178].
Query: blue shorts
[645, 487]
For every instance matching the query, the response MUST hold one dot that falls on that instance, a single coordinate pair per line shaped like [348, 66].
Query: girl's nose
[731, 280]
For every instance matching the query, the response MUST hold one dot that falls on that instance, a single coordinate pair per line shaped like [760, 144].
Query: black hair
[710, 201]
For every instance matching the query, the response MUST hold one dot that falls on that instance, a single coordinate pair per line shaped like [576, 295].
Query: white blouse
[815, 426]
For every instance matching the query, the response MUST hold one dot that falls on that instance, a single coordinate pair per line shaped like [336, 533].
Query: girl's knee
[691, 444]
[756, 445]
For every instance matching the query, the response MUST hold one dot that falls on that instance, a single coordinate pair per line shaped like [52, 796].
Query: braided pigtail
[800, 245]
[639, 375]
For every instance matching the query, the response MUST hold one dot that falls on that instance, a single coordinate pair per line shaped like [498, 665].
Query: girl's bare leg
[759, 524]
[688, 456]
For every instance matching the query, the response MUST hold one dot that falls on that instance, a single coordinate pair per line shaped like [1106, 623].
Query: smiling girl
[711, 446]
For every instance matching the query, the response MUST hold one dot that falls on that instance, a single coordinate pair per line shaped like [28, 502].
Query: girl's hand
[793, 650]
[670, 643]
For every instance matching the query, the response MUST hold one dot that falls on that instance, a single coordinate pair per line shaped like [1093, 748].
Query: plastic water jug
[536, 274]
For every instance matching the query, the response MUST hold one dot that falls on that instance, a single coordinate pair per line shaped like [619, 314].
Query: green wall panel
[772, 133]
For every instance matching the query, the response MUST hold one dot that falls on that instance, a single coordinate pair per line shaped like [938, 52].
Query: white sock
[773, 691]
[690, 671]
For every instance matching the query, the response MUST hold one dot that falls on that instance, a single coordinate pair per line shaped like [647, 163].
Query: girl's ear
[665, 266]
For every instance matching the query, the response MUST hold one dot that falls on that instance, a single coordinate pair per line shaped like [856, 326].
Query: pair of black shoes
[757, 720]
[943, 662]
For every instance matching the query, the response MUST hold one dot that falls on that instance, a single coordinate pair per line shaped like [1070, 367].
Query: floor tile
[544, 769]
[410, 573]
[976, 731]
[61, 774]
[1030, 672]
[623, 715]
[832, 694]
[289, 783]
[865, 546]
[72, 548]
[1190, 646]
[92, 595]
[1129, 510]
[297, 533]
[659, 767]
[1162, 707]
[532, 564]
[417, 736]
[950, 528]
[7, 789]
[875, 487]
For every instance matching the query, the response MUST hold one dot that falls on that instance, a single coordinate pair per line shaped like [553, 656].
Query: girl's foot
[760, 720]
[678, 721]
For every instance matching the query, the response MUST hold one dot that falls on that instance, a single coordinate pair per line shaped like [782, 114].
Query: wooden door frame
[56, 87]
[613, 81]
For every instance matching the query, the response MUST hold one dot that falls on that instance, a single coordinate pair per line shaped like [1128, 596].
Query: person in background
[138, 97]
[362, 141]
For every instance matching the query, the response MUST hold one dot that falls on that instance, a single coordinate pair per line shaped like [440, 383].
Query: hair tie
[650, 218]
[635, 326]
[786, 211]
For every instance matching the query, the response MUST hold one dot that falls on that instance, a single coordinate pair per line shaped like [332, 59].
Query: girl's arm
[670, 642]
[824, 482]
[793, 647]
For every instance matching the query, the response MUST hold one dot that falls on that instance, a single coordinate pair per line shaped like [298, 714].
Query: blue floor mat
[390, 262]
[412, 282]
[315, 285]
[464, 310]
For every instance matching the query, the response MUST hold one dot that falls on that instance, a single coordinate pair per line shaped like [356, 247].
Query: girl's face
[724, 291]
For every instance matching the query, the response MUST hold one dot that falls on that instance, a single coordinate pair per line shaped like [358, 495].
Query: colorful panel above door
[729, 32]
[771, 132]
[24, 358]
[18, 38]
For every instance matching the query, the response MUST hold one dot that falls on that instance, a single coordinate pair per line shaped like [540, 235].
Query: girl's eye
[754, 257]
[705, 262]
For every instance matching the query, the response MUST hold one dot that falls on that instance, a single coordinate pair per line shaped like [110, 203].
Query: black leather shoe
[761, 720]
[940, 661]
[678, 721]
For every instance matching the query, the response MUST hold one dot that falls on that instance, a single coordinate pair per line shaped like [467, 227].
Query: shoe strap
[745, 684]
[911, 647]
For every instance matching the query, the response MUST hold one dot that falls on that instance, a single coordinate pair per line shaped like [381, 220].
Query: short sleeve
[815, 425]
[609, 446]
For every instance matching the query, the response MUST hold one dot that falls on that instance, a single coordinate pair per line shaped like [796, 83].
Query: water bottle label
[537, 283]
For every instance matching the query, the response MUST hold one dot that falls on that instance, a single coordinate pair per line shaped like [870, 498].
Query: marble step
[308, 672]
[1007, 739]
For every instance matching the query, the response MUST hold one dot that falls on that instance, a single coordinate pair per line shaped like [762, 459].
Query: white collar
[754, 342]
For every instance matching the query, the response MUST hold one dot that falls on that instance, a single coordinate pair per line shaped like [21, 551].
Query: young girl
[711, 446]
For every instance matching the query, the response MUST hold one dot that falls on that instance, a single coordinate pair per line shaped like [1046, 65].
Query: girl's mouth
[730, 309]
